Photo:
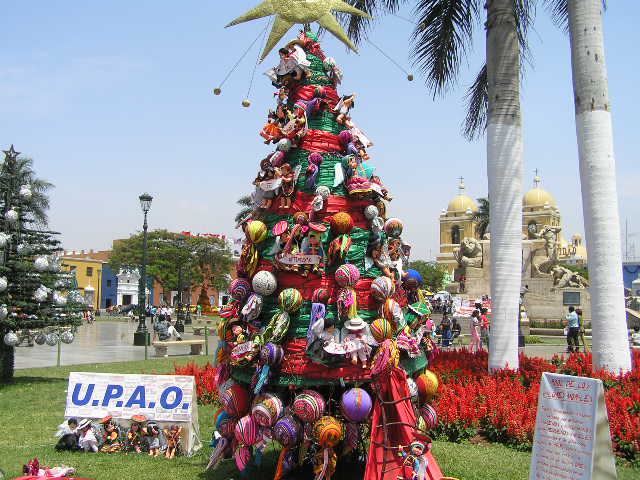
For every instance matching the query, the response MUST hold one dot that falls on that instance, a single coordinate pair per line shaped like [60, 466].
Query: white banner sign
[299, 259]
[163, 398]
[572, 439]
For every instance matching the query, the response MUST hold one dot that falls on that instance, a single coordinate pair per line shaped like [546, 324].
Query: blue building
[630, 271]
[109, 295]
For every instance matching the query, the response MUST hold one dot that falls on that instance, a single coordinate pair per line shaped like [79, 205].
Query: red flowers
[205, 380]
[503, 406]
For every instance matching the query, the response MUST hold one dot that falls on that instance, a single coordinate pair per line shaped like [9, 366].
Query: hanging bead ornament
[40, 338]
[25, 192]
[41, 264]
[11, 339]
[67, 337]
[52, 339]
[11, 216]
[3, 284]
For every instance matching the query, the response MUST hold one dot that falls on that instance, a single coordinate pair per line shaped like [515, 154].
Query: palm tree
[481, 217]
[246, 202]
[598, 182]
[440, 40]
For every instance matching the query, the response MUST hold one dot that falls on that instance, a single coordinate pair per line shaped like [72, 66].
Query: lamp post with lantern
[141, 335]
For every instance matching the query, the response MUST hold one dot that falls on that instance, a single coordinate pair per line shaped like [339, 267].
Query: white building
[127, 291]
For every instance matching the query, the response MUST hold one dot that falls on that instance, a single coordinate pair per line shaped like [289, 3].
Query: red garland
[307, 92]
[320, 141]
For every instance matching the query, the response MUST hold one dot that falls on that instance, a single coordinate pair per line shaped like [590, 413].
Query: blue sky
[114, 98]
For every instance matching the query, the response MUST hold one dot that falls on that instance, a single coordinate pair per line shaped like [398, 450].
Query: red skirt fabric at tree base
[391, 386]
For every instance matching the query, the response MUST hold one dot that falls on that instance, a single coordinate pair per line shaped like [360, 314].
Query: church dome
[538, 197]
[461, 202]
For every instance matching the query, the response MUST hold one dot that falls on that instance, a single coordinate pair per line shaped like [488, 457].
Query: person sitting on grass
[165, 330]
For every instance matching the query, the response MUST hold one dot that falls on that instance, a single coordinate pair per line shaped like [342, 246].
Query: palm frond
[357, 27]
[524, 13]
[477, 100]
[442, 38]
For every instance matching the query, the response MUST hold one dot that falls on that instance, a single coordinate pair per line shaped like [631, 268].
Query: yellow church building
[539, 209]
[88, 272]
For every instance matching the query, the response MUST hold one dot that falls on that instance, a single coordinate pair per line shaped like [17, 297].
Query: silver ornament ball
[52, 339]
[67, 337]
[40, 338]
[11, 339]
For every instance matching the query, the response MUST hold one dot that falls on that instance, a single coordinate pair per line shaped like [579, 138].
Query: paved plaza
[100, 342]
[103, 342]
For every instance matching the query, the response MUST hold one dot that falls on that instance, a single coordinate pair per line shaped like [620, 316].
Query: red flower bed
[503, 406]
[205, 380]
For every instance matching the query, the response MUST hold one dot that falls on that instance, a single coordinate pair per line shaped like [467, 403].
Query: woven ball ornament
[371, 212]
[382, 288]
[393, 227]
[321, 295]
[264, 282]
[11, 339]
[308, 406]
[246, 431]
[267, 412]
[290, 300]
[347, 275]
[381, 330]
[341, 223]
[242, 457]
[287, 431]
[256, 231]
[271, 354]
[328, 432]
[235, 400]
[239, 289]
[427, 385]
[356, 404]
[3, 284]
[428, 413]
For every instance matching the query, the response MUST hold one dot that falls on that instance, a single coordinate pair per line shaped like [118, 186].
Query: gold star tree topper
[290, 12]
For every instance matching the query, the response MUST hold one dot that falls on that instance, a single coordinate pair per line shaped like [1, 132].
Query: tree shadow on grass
[18, 381]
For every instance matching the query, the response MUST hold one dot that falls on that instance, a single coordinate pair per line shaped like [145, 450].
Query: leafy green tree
[37, 300]
[246, 202]
[432, 274]
[481, 217]
[172, 255]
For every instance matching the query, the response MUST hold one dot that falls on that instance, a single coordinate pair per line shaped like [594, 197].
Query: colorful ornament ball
[256, 231]
[427, 385]
[239, 289]
[264, 282]
[286, 431]
[381, 330]
[356, 405]
[321, 295]
[341, 223]
[328, 432]
[428, 413]
[235, 401]
[347, 275]
[308, 407]
[382, 288]
[267, 411]
[290, 300]
[271, 354]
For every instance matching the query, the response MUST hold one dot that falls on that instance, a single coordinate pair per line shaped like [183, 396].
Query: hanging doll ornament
[347, 276]
[251, 312]
[390, 310]
[393, 227]
[271, 356]
[357, 341]
[313, 169]
[341, 226]
[264, 283]
[318, 203]
[322, 334]
[376, 223]
[256, 232]
[414, 463]
[332, 70]
[111, 436]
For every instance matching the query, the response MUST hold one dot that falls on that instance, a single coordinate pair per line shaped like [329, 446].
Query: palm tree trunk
[598, 181]
[504, 169]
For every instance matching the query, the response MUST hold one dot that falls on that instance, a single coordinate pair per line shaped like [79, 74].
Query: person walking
[474, 327]
[484, 329]
[583, 340]
[572, 322]
[445, 326]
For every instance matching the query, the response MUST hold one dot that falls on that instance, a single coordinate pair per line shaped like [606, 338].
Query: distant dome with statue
[537, 197]
[461, 204]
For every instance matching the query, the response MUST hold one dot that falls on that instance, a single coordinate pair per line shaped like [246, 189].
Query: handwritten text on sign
[565, 428]
[158, 397]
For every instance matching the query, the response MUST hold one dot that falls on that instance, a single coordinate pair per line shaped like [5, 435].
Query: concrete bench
[200, 330]
[162, 347]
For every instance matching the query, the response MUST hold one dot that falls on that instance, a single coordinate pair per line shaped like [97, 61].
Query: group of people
[142, 436]
[479, 326]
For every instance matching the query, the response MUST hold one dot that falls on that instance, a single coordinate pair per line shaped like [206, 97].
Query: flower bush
[503, 406]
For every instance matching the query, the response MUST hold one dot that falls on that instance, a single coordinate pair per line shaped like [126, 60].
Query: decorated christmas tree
[38, 302]
[324, 347]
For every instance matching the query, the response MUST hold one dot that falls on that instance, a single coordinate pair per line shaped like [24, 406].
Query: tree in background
[481, 218]
[33, 304]
[173, 257]
[246, 202]
[433, 276]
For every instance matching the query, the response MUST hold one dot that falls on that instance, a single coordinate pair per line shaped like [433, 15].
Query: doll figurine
[318, 203]
[293, 66]
[134, 435]
[173, 440]
[322, 333]
[87, 438]
[152, 434]
[288, 185]
[111, 436]
[357, 341]
[414, 464]
[343, 108]
[313, 169]
[271, 131]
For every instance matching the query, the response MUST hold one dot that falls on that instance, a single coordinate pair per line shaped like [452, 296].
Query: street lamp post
[141, 335]
[179, 326]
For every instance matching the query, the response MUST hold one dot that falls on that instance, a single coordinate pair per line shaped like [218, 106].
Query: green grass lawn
[33, 406]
